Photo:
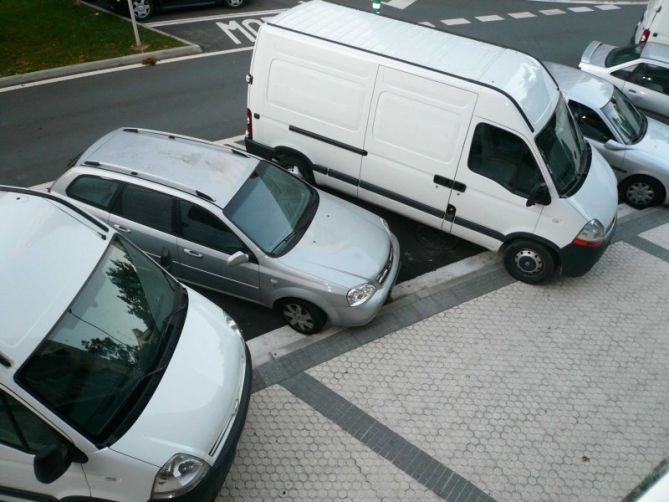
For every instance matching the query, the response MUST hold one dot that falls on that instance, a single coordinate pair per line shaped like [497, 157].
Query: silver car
[640, 71]
[636, 147]
[228, 221]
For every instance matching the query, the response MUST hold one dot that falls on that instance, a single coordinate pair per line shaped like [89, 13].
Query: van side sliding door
[413, 141]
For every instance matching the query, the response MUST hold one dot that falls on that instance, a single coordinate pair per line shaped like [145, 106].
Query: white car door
[22, 435]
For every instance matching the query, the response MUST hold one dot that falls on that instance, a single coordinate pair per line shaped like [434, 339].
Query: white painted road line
[521, 15]
[580, 9]
[552, 12]
[399, 4]
[607, 7]
[487, 19]
[173, 22]
[455, 21]
[427, 23]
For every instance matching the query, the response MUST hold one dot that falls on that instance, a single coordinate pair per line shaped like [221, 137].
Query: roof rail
[115, 168]
[232, 148]
[66, 203]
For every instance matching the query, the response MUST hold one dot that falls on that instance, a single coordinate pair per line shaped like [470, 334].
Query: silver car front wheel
[642, 191]
[143, 9]
[302, 316]
[234, 3]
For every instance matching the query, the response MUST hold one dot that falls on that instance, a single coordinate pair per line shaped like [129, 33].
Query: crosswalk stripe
[521, 15]
[607, 7]
[455, 21]
[580, 9]
[486, 19]
[552, 12]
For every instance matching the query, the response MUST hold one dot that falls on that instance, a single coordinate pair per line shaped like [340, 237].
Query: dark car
[144, 9]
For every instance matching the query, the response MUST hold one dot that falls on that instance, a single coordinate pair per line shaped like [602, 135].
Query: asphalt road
[43, 127]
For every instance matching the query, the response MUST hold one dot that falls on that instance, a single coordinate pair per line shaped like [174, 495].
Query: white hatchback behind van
[116, 382]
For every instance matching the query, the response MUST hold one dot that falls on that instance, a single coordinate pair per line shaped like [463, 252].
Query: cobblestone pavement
[487, 389]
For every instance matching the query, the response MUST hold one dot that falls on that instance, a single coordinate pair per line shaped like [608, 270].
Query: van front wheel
[529, 261]
[298, 166]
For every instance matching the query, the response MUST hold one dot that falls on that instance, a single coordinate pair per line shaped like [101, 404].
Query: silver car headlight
[179, 475]
[591, 235]
[360, 294]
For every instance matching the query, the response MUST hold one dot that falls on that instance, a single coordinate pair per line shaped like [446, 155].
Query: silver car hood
[595, 53]
[344, 244]
[655, 143]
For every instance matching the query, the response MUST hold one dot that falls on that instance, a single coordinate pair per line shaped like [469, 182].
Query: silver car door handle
[121, 228]
[192, 253]
[631, 91]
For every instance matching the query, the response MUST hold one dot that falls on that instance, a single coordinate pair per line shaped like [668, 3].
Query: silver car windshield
[627, 120]
[273, 208]
[109, 339]
[563, 149]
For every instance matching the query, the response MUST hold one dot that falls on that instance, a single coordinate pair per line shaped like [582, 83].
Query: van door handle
[192, 253]
[121, 228]
[449, 183]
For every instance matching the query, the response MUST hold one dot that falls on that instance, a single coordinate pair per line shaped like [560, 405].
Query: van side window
[92, 190]
[200, 226]
[21, 429]
[146, 207]
[504, 158]
[591, 124]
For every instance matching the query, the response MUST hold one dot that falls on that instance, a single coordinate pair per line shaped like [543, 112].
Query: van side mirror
[166, 259]
[51, 462]
[539, 195]
[237, 258]
[614, 145]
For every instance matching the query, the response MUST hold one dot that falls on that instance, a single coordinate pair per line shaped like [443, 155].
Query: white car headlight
[591, 235]
[360, 294]
[179, 475]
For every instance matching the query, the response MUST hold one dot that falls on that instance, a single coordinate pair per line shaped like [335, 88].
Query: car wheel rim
[298, 317]
[640, 193]
[142, 8]
[235, 3]
[528, 262]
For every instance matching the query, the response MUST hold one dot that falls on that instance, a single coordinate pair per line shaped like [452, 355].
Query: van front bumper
[208, 489]
[578, 260]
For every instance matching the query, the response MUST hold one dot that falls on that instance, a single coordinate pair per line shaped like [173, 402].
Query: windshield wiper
[303, 223]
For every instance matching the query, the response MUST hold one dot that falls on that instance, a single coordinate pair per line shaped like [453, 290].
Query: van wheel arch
[295, 162]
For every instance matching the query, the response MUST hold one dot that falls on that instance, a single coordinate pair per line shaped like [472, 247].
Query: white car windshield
[627, 120]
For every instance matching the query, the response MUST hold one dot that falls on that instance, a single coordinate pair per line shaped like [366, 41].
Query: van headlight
[360, 294]
[591, 235]
[179, 475]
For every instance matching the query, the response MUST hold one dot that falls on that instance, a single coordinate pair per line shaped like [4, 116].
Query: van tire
[642, 191]
[297, 165]
[529, 261]
[303, 316]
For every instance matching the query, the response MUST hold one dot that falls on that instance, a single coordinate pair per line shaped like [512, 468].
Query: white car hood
[344, 244]
[196, 395]
[598, 196]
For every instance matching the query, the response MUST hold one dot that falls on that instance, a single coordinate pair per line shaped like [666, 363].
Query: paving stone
[553, 392]
[658, 235]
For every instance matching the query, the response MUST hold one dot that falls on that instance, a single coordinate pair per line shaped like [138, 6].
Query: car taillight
[644, 36]
[249, 124]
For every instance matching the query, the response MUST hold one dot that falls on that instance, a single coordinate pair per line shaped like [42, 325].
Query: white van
[654, 24]
[117, 383]
[461, 135]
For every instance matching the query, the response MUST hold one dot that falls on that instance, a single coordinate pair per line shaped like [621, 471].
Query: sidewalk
[483, 388]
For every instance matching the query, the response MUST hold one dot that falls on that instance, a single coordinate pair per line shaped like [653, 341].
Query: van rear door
[414, 139]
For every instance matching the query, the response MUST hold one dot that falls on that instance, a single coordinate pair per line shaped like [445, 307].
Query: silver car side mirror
[237, 259]
[614, 145]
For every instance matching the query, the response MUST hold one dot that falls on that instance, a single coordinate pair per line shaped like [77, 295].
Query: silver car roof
[48, 251]
[655, 51]
[582, 87]
[187, 164]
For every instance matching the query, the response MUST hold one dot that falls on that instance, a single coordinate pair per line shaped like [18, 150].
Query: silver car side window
[146, 207]
[198, 225]
[591, 124]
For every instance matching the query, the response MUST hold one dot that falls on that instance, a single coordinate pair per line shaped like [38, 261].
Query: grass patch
[40, 34]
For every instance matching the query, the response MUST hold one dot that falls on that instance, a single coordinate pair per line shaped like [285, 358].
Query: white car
[636, 147]
[641, 72]
[116, 382]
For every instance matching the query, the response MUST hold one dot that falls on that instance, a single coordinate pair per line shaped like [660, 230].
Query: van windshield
[563, 149]
[93, 362]
[273, 208]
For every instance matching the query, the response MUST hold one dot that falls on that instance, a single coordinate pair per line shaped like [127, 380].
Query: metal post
[138, 42]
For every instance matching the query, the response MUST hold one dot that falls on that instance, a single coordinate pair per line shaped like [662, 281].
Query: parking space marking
[522, 15]
[174, 22]
[455, 21]
[487, 19]
[552, 12]
[607, 7]
[399, 4]
[427, 23]
[580, 9]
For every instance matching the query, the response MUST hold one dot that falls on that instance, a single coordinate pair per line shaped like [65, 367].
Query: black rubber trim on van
[24, 494]
[343, 177]
[404, 200]
[479, 228]
[327, 140]
[255, 148]
[483, 84]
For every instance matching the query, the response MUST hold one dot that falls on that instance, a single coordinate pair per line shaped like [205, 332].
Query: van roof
[503, 69]
[48, 250]
[180, 162]
[582, 87]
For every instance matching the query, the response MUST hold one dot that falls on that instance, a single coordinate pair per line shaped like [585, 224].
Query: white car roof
[47, 253]
[504, 69]
[582, 87]
[658, 52]
[177, 161]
